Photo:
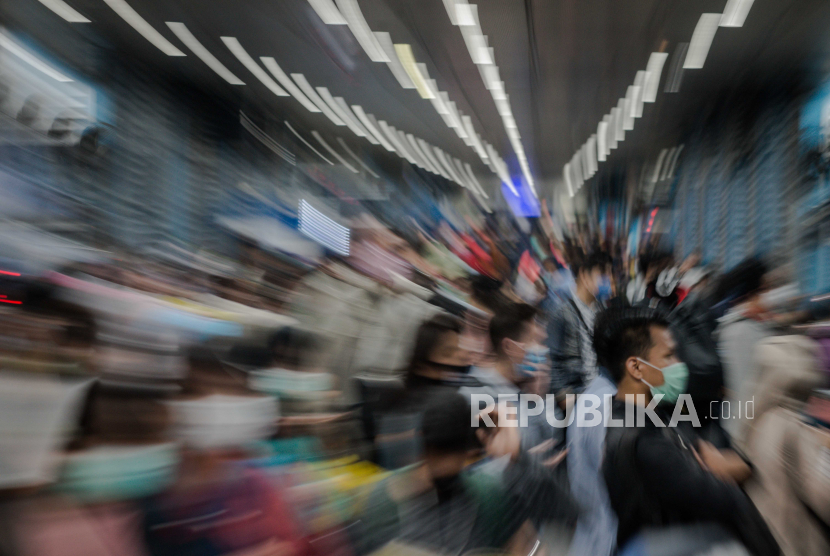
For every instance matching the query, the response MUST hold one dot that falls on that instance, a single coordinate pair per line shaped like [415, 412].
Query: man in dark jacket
[659, 476]
[573, 362]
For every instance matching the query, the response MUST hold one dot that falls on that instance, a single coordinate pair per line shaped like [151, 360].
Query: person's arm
[565, 353]
[676, 480]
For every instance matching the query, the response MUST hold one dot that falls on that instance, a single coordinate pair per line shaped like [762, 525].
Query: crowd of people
[188, 406]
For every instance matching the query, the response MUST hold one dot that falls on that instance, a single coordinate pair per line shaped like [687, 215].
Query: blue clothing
[596, 529]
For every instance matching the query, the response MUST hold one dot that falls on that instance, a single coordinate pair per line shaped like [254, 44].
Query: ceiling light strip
[242, 55]
[309, 91]
[146, 30]
[275, 69]
[64, 10]
[333, 153]
[307, 144]
[183, 33]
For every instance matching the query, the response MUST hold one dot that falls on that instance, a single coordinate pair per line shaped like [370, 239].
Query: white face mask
[220, 421]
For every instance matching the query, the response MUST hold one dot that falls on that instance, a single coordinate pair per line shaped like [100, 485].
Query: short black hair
[621, 332]
[446, 427]
[745, 279]
[596, 259]
[510, 322]
[427, 338]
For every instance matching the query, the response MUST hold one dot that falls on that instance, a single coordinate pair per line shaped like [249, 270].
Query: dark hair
[445, 427]
[510, 323]
[743, 280]
[621, 332]
[292, 346]
[487, 291]
[595, 260]
[427, 338]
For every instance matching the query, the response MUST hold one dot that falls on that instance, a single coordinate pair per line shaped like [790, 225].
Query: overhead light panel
[309, 91]
[640, 83]
[619, 119]
[351, 118]
[475, 181]
[14, 48]
[466, 15]
[275, 69]
[306, 143]
[323, 229]
[332, 104]
[394, 63]
[629, 109]
[602, 140]
[407, 59]
[675, 77]
[427, 150]
[146, 30]
[566, 174]
[701, 41]
[591, 147]
[357, 158]
[202, 53]
[328, 12]
[361, 115]
[233, 45]
[654, 69]
[734, 14]
[333, 153]
[64, 10]
[361, 31]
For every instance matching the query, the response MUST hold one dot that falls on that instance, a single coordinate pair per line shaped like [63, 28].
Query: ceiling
[565, 63]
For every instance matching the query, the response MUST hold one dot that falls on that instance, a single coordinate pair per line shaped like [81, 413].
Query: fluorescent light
[591, 148]
[357, 158]
[475, 180]
[437, 99]
[734, 14]
[639, 84]
[394, 63]
[444, 160]
[31, 59]
[701, 41]
[307, 144]
[465, 181]
[361, 115]
[275, 69]
[309, 91]
[653, 71]
[630, 107]
[491, 77]
[611, 135]
[466, 15]
[202, 53]
[450, 6]
[676, 70]
[602, 140]
[566, 173]
[432, 152]
[323, 229]
[425, 148]
[392, 134]
[146, 30]
[407, 59]
[421, 156]
[656, 176]
[233, 45]
[361, 31]
[344, 108]
[669, 158]
[620, 120]
[328, 12]
[333, 153]
[64, 10]
[677, 152]
[337, 109]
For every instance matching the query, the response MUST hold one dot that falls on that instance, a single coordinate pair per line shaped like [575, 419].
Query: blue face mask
[604, 289]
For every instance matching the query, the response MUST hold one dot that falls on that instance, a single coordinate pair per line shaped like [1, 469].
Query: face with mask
[660, 369]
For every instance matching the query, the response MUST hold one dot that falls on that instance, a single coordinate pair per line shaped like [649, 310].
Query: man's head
[447, 435]
[512, 330]
[590, 272]
[437, 348]
[634, 343]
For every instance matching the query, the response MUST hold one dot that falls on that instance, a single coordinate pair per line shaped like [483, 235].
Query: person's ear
[633, 368]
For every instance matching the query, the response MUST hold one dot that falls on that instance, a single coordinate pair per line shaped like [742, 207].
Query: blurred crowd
[179, 404]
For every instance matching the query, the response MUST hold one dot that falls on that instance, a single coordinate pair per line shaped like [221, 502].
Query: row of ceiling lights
[465, 17]
[411, 74]
[378, 132]
[611, 130]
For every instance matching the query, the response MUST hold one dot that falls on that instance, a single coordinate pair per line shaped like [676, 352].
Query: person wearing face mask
[570, 327]
[661, 478]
